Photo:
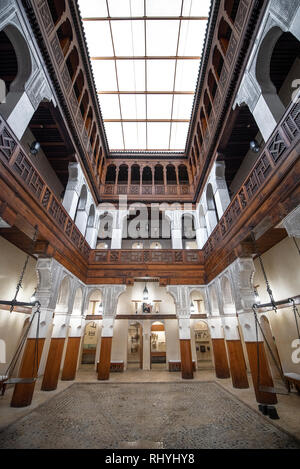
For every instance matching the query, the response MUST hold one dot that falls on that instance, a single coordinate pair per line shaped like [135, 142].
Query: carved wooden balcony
[271, 181]
[146, 256]
[148, 192]
[14, 157]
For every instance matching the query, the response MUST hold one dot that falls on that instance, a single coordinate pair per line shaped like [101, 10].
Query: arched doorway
[135, 346]
[90, 340]
[158, 346]
[203, 346]
[89, 346]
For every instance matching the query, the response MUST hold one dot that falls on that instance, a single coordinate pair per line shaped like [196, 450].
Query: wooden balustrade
[147, 190]
[146, 256]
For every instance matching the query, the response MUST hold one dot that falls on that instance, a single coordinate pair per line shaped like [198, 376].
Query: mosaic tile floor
[170, 415]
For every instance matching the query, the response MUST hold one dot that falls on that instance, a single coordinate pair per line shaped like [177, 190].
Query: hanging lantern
[145, 293]
[100, 309]
[192, 308]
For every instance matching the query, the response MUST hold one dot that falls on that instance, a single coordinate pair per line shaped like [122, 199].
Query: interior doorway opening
[89, 344]
[203, 346]
[158, 346]
[135, 346]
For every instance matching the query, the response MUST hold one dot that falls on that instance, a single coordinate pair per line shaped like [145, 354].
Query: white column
[222, 198]
[72, 192]
[146, 345]
[201, 237]
[211, 220]
[91, 236]
[175, 216]
[267, 113]
[81, 220]
[117, 230]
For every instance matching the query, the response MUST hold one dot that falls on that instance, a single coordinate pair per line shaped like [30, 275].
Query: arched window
[77, 305]
[217, 62]
[105, 226]
[188, 226]
[197, 153]
[84, 103]
[224, 35]
[183, 174]
[203, 121]
[212, 84]
[57, 8]
[207, 104]
[231, 7]
[171, 175]
[147, 175]
[8, 62]
[89, 120]
[135, 174]
[72, 62]
[228, 302]
[284, 66]
[199, 134]
[159, 174]
[93, 134]
[111, 174]
[91, 217]
[63, 295]
[211, 206]
[65, 36]
[123, 174]
[83, 198]
[78, 85]
[15, 68]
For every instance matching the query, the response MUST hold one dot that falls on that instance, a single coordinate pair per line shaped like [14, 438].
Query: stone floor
[206, 412]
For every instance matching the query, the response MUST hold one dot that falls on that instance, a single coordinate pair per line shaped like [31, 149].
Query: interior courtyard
[149, 224]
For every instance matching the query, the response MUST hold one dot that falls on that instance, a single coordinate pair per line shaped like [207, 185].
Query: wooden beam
[146, 18]
[148, 57]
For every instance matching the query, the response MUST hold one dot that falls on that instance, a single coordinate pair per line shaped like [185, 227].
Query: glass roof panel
[191, 37]
[145, 68]
[196, 7]
[186, 75]
[93, 8]
[163, 8]
[178, 135]
[133, 31]
[126, 8]
[110, 106]
[105, 75]
[133, 106]
[160, 43]
[131, 75]
[94, 30]
[135, 135]
[114, 134]
[159, 106]
[182, 106]
[160, 75]
[158, 135]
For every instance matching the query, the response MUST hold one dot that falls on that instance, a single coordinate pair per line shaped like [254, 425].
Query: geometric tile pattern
[178, 415]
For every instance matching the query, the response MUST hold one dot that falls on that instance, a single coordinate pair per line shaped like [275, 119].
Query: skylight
[145, 56]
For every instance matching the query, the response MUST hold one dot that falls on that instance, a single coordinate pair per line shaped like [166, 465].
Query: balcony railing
[146, 256]
[276, 151]
[14, 157]
[147, 190]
